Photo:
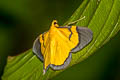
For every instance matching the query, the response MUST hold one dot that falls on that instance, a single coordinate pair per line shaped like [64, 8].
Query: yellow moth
[55, 46]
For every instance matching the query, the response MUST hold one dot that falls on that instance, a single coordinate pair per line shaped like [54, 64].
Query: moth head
[54, 23]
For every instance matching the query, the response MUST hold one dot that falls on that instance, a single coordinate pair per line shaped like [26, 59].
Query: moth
[55, 46]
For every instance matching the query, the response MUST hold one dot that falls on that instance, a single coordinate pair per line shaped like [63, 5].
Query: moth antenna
[75, 21]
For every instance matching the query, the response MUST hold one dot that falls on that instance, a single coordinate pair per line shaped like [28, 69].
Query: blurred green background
[21, 21]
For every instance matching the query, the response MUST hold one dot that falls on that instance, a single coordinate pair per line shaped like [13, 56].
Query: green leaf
[101, 16]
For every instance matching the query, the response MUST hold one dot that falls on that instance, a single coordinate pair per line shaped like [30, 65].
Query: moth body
[55, 46]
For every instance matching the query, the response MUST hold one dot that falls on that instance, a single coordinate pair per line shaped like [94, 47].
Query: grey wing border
[85, 37]
[64, 65]
[37, 49]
